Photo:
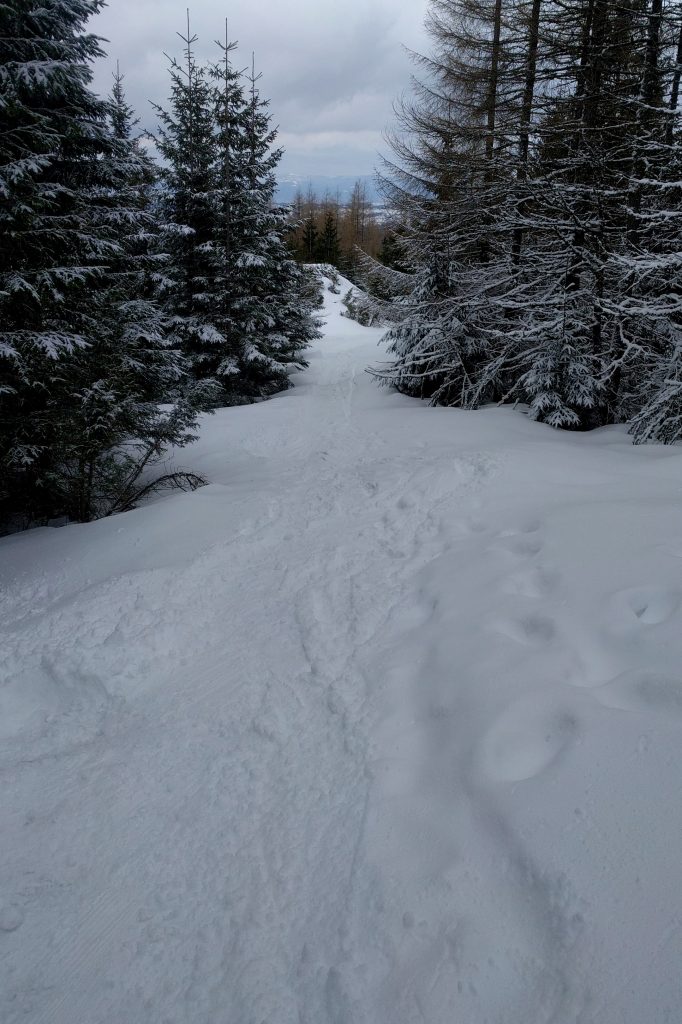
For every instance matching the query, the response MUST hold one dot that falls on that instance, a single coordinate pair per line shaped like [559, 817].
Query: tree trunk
[674, 92]
[525, 119]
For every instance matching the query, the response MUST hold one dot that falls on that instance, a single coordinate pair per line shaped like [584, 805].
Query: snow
[383, 726]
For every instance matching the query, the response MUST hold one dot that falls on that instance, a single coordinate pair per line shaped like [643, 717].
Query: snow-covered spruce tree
[53, 131]
[270, 301]
[189, 207]
[129, 395]
[81, 389]
[233, 290]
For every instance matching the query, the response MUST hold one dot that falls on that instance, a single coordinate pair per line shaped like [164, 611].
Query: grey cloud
[330, 70]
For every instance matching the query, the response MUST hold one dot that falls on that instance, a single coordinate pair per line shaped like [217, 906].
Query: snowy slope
[384, 726]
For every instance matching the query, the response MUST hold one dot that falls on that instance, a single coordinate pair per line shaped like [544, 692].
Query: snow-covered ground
[384, 726]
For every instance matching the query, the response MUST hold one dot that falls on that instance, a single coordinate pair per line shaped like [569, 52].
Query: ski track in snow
[381, 727]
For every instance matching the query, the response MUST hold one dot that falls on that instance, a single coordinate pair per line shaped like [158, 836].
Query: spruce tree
[189, 208]
[52, 249]
[129, 393]
[85, 366]
[276, 317]
[309, 237]
[328, 244]
[233, 289]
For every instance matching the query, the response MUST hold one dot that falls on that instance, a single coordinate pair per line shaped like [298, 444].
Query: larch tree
[537, 180]
[646, 377]
[449, 182]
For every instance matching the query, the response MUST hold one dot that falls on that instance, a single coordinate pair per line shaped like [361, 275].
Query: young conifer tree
[225, 238]
[129, 394]
[189, 206]
[277, 322]
[328, 245]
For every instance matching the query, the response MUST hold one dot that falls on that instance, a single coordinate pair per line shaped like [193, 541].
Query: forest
[327, 230]
[134, 293]
[340, 547]
[536, 177]
[534, 255]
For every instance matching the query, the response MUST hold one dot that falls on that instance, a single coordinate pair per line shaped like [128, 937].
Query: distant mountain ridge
[289, 184]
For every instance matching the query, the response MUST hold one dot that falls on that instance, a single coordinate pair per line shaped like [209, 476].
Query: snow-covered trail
[381, 727]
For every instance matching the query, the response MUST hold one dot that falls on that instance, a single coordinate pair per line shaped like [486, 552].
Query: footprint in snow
[475, 526]
[653, 692]
[529, 526]
[522, 540]
[648, 606]
[536, 582]
[336, 998]
[524, 545]
[413, 613]
[11, 918]
[529, 629]
[526, 740]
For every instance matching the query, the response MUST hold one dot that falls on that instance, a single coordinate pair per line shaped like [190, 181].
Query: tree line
[133, 295]
[327, 230]
[536, 172]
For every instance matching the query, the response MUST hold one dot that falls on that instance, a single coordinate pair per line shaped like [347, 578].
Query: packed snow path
[384, 726]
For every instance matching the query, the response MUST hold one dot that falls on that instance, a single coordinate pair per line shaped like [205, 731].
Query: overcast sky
[331, 68]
